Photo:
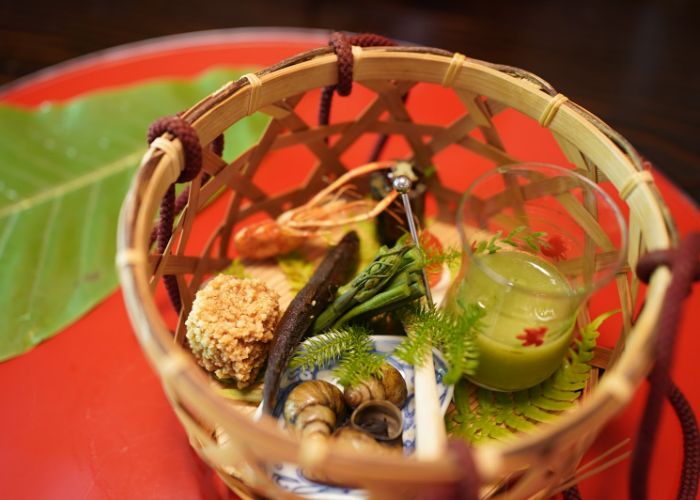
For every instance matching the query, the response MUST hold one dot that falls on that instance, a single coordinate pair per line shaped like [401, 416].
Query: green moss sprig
[450, 256]
[350, 347]
[453, 334]
[517, 238]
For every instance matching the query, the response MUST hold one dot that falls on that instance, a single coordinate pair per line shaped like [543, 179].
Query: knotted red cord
[685, 266]
[342, 46]
[182, 130]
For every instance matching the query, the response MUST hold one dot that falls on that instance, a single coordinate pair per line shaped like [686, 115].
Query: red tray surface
[84, 415]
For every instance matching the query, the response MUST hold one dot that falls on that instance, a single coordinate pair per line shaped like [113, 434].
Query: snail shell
[382, 419]
[314, 406]
[390, 387]
[349, 438]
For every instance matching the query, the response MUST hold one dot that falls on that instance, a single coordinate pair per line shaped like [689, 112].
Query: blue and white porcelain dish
[289, 476]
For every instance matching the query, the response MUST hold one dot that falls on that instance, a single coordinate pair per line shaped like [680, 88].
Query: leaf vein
[87, 226]
[61, 190]
[9, 228]
[43, 252]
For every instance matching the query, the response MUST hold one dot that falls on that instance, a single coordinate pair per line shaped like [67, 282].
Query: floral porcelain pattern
[289, 476]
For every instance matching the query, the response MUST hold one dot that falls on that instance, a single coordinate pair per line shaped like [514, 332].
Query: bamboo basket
[226, 436]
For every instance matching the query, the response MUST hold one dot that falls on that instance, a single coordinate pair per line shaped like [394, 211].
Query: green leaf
[296, 269]
[64, 173]
[236, 269]
[325, 349]
[593, 326]
[251, 394]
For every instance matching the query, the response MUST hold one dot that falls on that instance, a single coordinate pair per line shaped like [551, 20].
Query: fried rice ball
[230, 327]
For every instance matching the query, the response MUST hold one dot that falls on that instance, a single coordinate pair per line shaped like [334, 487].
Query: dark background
[633, 63]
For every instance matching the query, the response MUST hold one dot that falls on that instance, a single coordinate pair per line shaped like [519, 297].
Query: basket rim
[170, 360]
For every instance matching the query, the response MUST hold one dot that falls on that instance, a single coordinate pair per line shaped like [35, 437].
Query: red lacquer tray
[84, 416]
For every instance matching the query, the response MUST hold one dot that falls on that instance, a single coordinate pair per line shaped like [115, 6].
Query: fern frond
[534, 241]
[482, 414]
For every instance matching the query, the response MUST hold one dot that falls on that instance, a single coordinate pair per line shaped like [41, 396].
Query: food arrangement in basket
[403, 324]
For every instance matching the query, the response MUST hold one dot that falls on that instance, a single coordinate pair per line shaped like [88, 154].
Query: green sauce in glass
[521, 291]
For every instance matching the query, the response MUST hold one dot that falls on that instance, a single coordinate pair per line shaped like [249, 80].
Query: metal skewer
[403, 185]
[431, 439]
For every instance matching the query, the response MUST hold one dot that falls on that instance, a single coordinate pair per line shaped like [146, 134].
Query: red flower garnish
[555, 248]
[433, 248]
[533, 336]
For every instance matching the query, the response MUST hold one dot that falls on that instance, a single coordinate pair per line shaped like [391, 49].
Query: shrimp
[265, 239]
[326, 210]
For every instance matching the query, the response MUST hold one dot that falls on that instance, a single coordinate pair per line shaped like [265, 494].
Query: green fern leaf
[462, 397]
[544, 403]
[322, 351]
[557, 394]
[481, 414]
[498, 432]
[534, 413]
[580, 368]
[564, 384]
[591, 330]
[519, 423]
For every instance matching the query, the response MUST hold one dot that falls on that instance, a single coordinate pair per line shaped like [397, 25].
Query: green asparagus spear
[391, 280]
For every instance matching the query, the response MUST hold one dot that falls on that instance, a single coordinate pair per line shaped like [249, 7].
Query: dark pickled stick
[335, 269]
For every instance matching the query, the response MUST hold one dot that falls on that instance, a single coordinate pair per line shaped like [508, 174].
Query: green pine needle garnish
[422, 326]
[352, 349]
[356, 366]
[452, 334]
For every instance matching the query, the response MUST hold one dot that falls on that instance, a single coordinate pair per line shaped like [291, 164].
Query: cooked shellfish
[382, 420]
[315, 406]
[390, 387]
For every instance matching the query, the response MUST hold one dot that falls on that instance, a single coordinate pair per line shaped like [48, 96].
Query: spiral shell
[380, 419]
[314, 406]
[352, 439]
[390, 387]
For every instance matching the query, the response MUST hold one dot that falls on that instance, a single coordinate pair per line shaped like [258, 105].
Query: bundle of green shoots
[391, 283]
[392, 280]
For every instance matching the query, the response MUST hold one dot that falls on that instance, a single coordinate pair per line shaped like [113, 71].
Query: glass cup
[537, 240]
